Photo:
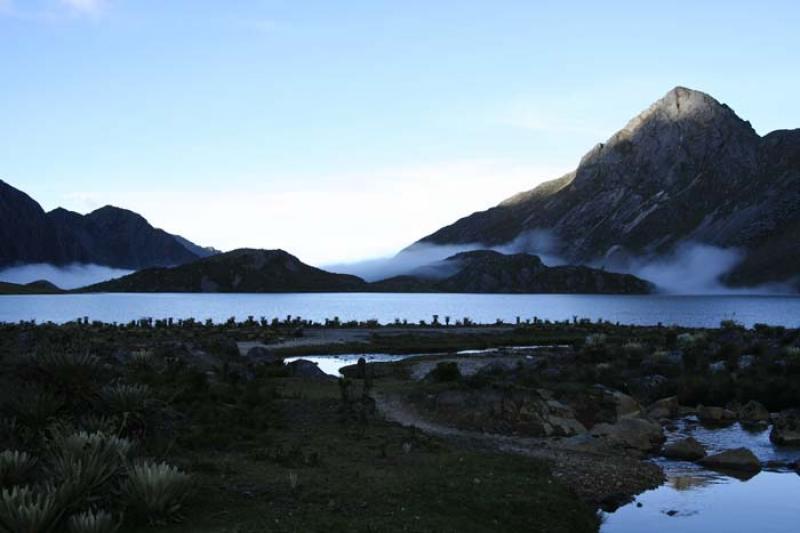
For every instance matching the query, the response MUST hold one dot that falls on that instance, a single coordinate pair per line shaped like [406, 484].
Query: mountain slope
[244, 270]
[686, 169]
[109, 236]
[35, 287]
[487, 271]
[26, 233]
[118, 238]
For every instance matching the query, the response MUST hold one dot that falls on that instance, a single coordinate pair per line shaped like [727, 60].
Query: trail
[597, 478]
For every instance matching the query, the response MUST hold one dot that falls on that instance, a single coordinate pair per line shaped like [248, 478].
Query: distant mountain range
[248, 270]
[686, 170]
[109, 236]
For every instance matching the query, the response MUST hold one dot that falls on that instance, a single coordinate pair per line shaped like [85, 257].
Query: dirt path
[597, 478]
[328, 336]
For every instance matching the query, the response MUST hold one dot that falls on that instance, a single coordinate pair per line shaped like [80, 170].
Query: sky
[347, 130]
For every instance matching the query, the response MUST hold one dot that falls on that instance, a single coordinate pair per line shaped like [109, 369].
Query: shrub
[93, 522]
[15, 467]
[23, 509]
[156, 491]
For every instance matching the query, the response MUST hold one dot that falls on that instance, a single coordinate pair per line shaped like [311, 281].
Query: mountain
[35, 287]
[117, 238]
[687, 169]
[488, 271]
[26, 233]
[244, 270]
[109, 236]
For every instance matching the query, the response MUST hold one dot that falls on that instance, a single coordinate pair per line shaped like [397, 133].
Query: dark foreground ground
[271, 447]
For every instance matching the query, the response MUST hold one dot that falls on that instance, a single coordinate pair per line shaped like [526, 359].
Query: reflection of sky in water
[699, 500]
[767, 503]
[332, 364]
[734, 436]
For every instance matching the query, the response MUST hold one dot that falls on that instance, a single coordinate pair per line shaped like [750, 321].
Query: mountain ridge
[109, 236]
[685, 169]
[265, 271]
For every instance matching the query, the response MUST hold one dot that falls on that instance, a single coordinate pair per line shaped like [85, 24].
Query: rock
[303, 368]
[688, 449]
[746, 361]
[786, 428]
[515, 412]
[664, 408]
[754, 413]
[603, 404]
[631, 433]
[715, 416]
[736, 459]
[716, 367]
[259, 354]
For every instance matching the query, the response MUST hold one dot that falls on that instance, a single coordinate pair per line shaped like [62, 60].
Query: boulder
[302, 368]
[631, 433]
[259, 354]
[715, 416]
[688, 449]
[516, 412]
[664, 408]
[753, 413]
[786, 428]
[740, 459]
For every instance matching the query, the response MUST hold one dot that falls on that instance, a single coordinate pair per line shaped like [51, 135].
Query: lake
[697, 311]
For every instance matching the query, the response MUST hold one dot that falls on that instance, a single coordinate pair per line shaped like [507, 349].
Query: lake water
[696, 500]
[701, 311]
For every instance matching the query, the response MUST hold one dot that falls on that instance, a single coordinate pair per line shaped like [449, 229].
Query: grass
[322, 474]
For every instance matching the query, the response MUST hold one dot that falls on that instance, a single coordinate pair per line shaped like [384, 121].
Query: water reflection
[695, 500]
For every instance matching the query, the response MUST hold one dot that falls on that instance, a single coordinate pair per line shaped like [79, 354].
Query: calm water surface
[696, 500]
[483, 308]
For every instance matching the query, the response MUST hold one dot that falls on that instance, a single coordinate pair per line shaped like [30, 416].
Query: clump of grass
[792, 352]
[86, 463]
[156, 491]
[595, 339]
[141, 359]
[93, 522]
[123, 398]
[16, 467]
[690, 340]
[25, 509]
[36, 408]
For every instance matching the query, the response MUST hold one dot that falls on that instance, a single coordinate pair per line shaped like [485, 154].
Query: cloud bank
[67, 277]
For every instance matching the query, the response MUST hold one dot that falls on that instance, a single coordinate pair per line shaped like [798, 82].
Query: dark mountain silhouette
[487, 271]
[248, 270]
[109, 236]
[244, 270]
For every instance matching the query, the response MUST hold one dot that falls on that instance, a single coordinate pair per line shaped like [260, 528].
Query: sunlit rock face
[686, 170]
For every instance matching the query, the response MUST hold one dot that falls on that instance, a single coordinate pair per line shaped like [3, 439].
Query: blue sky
[348, 129]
